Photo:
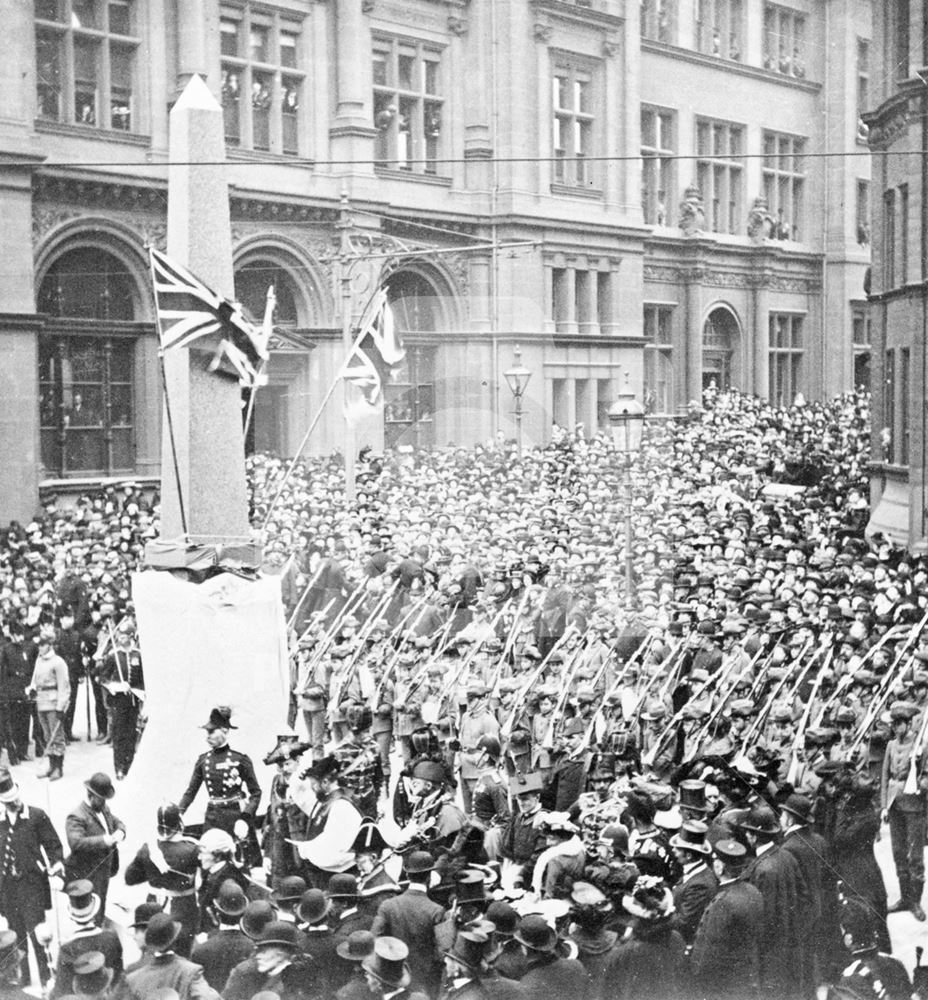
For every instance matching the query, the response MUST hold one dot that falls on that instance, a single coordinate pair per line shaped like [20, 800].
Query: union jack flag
[377, 352]
[189, 311]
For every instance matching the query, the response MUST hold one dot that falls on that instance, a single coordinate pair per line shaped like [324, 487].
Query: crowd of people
[506, 772]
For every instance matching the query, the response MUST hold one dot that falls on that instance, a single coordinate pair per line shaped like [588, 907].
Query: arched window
[719, 336]
[251, 284]
[415, 302]
[87, 364]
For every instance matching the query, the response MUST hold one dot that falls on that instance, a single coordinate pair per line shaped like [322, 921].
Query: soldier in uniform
[229, 777]
[170, 866]
[490, 798]
[523, 841]
[476, 722]
[358, 758]
[905, 811]
[121, 675]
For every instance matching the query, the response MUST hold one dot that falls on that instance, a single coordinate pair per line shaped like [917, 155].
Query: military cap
[742, 708]
[902, 710]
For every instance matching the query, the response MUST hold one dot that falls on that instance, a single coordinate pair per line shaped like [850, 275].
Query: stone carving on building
[542, 32]
[657, 272]
[457, 25]
[885, 132]
[692, 212]
[45, 218]
[611, 47]
[760, 222]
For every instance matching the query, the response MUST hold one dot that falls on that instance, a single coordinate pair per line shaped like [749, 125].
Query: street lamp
[626, 417]
[517, 378]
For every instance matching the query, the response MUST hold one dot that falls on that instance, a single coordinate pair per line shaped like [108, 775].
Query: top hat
[692, 837]
[144, 912]
[535, 933]
[91, 976]
[83, 902]
[693, 795]
[100, 784]
[357, 946]
[418, 862]
[387, 962]
[9, 790]
[219, 718]
[470, 887]
[342, 886]
[313, 907]
[289, 889]
[280, 934]
[471, 944]
[799, 806]
[231, 899]
[161, 932]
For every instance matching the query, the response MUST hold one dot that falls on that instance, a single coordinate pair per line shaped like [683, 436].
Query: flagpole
[266, 328]
[344, 268]
[167, 408]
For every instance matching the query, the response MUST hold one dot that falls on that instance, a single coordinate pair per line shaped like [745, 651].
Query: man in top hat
[547, 974]
[165, 969]
[387, 972]
[84, 907]
[223, 950]
[170, 865]
[229, 777]
[30, 852]
[11, 961]
[276, 967]
[333, 824]
[725, 961]
[699, 884]
[413, 917]
[905, 809]
[94, 834]
[466, 962]
[775, 873]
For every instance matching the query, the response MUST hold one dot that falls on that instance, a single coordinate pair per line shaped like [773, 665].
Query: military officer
[905, 810]
[229, 777]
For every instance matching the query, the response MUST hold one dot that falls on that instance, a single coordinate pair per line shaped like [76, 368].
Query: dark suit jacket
[220, 954]
[550, 977]
[294, 983]
[726, 951]
[690, 898]
[97, 939]
[412, 917]
[32, 834]
[90, 856]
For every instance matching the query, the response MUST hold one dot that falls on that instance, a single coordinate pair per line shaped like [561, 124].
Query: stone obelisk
[206, 409]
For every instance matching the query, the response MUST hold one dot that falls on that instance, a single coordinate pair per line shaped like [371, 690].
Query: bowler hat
[280, 934]
[144, 912]
[313, 906]
[91, 976]
[258, 913]
[799, 806]
[342, 886]
[357, 946]
[760, 818]
[535, 933]
[503, 917]
[419, 862]
[219, 718]
[387, 962]
[161, 932]
[100, 784]
[231, 899]
[289, 889]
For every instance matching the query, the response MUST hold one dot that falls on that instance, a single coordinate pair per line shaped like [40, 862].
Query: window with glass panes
[658, 358]
[658, 149]
[889, 405]
[86, 365]
[720, 28]
[784, 40]
[408, 105]
[720, 173]
[862, 212]
[572, 122]
[86, 53]
[784, 179]
[863, 76]
[889, 238]
[262, 79]
[785, 357]
[860, 342]
[659, 20]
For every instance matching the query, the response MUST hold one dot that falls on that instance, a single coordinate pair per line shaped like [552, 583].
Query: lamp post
[517, 378]
[626, 417]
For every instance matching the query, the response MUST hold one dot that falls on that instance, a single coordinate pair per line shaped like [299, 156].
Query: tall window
[862, 212]
[860, 342]
[889, 238]
[784, 178]
[262, 80]
[899, 12]
[905, 429]
[720, 27]
[572, 103]
[784, 40]
[86, 361]
[658, 358]
[409, 400]
[719, 172]
[659, 20]
[903, 275]
[785, 359]
[658, 146]
[889, 406]
[86, 62]
[863, 85]
[407, 105]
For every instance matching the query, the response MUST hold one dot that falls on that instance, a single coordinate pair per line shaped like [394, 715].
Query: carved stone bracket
[457, 25]
[611, 47]
[542, 32]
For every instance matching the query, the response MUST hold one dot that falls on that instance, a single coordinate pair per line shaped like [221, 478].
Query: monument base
[234, 555]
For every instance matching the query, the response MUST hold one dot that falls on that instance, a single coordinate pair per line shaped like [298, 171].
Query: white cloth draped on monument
[221, 642]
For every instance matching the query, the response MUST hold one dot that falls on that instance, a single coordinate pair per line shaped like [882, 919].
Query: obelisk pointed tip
[196, 95]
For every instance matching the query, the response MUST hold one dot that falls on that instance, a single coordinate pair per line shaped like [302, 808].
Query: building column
[570, 300]
[192, 54]
[352, 133]
[548, 314]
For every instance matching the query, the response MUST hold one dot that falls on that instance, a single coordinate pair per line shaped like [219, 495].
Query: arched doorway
[269, 426]
[720, 337]
[409, 399]
[87, 363]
